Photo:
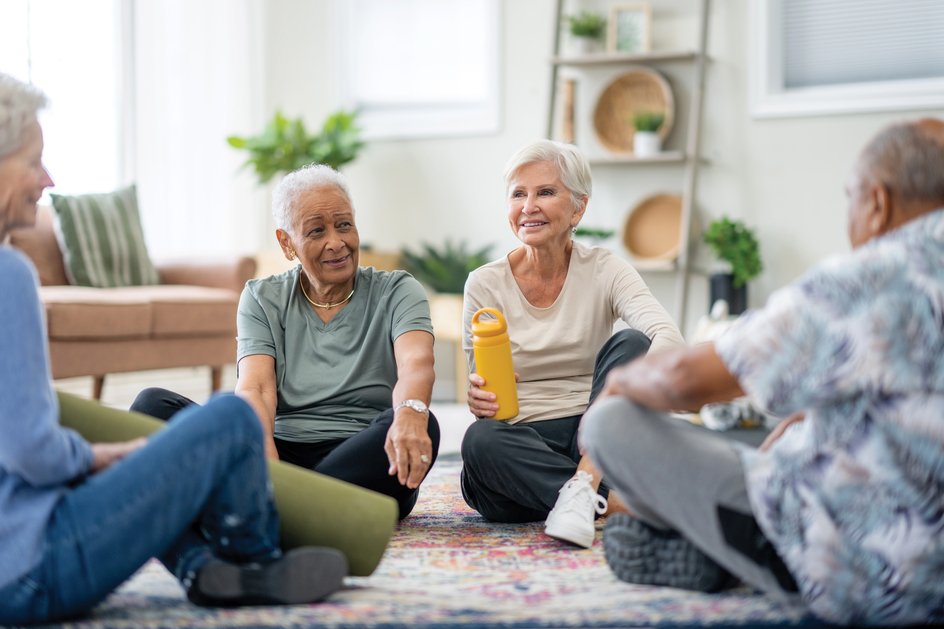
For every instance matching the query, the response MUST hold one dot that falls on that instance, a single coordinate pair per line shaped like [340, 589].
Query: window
[416, 68]
[72, 52]
[838, 56]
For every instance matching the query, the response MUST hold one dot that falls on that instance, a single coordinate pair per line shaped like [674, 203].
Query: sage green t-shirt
[333, 378]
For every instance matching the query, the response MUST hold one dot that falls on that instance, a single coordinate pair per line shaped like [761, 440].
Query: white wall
[407, 192]
[783, 177]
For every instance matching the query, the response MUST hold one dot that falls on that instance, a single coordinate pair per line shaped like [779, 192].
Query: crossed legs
[199, 490]
[677, 477]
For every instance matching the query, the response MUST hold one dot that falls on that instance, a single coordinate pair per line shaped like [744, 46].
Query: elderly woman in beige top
[560, 300]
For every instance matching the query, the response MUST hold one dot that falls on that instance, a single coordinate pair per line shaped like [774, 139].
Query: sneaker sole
[638, 553]
[303, 575]
[569, 534]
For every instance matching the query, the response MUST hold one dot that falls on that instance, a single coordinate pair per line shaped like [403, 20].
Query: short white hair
[19, 103]
[572, 167]
[297, 183]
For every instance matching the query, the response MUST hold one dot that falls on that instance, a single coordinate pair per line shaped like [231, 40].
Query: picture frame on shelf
[629, 29]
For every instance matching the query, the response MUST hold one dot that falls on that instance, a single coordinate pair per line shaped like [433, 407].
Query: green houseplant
[594, 232]
[285, 145]
[732, 242]
[587, 29]
[444, 270]
[648, 120]
[587, 24]
[593, 235]
[646, 139]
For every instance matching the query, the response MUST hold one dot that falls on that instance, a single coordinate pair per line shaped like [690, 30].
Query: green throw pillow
[102, 241]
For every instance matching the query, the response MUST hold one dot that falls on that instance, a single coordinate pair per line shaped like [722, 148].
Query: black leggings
[359, 459]
[513, 472]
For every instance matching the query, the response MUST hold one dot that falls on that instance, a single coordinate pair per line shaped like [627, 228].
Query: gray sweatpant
[674, 475]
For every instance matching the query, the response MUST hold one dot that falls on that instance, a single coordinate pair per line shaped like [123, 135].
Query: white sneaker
[571, 519]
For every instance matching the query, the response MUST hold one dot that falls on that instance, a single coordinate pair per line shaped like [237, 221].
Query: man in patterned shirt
[843, 505]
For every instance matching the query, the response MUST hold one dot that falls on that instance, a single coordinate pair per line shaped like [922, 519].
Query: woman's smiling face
[541, 210]
[324, 236]
[22, 181]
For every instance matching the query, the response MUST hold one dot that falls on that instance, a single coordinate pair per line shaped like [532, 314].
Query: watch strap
[416, 405]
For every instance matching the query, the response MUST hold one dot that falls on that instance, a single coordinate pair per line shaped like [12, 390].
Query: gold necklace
[326, 306]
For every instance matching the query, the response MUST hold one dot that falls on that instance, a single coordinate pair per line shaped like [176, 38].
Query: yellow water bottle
[492, 350]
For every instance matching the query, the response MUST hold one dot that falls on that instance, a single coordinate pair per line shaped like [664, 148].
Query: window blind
[836, 42]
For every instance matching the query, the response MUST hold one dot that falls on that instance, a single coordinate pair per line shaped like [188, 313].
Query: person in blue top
[842, 508]
[77, 519]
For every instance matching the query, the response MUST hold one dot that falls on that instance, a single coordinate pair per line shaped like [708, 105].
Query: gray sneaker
[639, 553]
[303, 575]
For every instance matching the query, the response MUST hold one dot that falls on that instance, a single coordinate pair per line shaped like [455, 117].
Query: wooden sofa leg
[97, 386]
[216, 378]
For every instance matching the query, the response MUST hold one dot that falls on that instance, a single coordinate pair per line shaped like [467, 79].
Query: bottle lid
[488, 327]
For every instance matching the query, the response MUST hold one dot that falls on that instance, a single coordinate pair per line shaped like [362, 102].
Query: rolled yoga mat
[314, 509]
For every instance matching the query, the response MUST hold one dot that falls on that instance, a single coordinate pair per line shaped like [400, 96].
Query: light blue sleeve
[32, 444]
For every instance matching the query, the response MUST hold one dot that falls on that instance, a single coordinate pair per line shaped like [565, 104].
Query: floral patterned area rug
[447, 568]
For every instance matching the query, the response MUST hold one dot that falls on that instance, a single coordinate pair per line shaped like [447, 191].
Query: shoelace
[581, 483]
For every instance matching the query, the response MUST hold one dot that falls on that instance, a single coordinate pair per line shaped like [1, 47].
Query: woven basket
[652, 228]
[639, 89]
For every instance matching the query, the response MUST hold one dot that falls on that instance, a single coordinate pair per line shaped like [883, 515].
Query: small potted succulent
[736, 245]
[586, 30]
[646, 139]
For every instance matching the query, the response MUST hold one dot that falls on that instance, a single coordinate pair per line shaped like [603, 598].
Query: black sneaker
[639, 553]
[303, 575]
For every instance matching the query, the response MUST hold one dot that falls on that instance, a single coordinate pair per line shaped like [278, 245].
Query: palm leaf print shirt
[853, 496]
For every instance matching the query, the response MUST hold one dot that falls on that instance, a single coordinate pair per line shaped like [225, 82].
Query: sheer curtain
[69, 50]
[198, 72]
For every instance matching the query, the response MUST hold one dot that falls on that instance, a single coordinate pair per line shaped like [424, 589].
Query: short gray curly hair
[19, 103]
[909, 159]
[295, 183]
[572, 166]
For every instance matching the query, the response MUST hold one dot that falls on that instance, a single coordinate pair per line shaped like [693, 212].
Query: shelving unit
[689, 157]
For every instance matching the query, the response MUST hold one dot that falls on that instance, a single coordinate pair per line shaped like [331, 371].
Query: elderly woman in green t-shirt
[337, 360]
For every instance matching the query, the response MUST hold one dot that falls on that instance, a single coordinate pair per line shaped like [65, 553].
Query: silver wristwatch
[416, 405]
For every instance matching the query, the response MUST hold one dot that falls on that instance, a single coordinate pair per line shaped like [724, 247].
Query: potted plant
[594, 235]
[586, 30]
[447, 269]
[646, 140]
[735, 244]
[285, 145]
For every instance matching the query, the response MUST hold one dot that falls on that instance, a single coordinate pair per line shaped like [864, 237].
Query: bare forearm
[408, 445]
[679, 379]
[264, 404]
[414, 382]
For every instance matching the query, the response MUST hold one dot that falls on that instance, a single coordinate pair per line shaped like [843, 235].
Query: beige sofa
[187, 321]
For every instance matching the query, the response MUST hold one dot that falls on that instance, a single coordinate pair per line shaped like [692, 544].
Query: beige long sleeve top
[554, 348]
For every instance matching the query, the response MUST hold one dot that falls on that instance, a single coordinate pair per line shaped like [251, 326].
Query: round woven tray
[639, 89]
[652, 228]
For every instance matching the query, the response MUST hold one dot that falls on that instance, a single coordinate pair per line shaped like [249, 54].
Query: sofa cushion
[102, 240]
[78, 312]
[39, 243]
[190, 310]
[82, 313]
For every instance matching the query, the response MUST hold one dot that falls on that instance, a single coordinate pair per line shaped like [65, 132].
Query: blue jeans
[198, 489]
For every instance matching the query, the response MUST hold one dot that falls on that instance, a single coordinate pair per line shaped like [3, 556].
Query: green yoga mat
[315, 510]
